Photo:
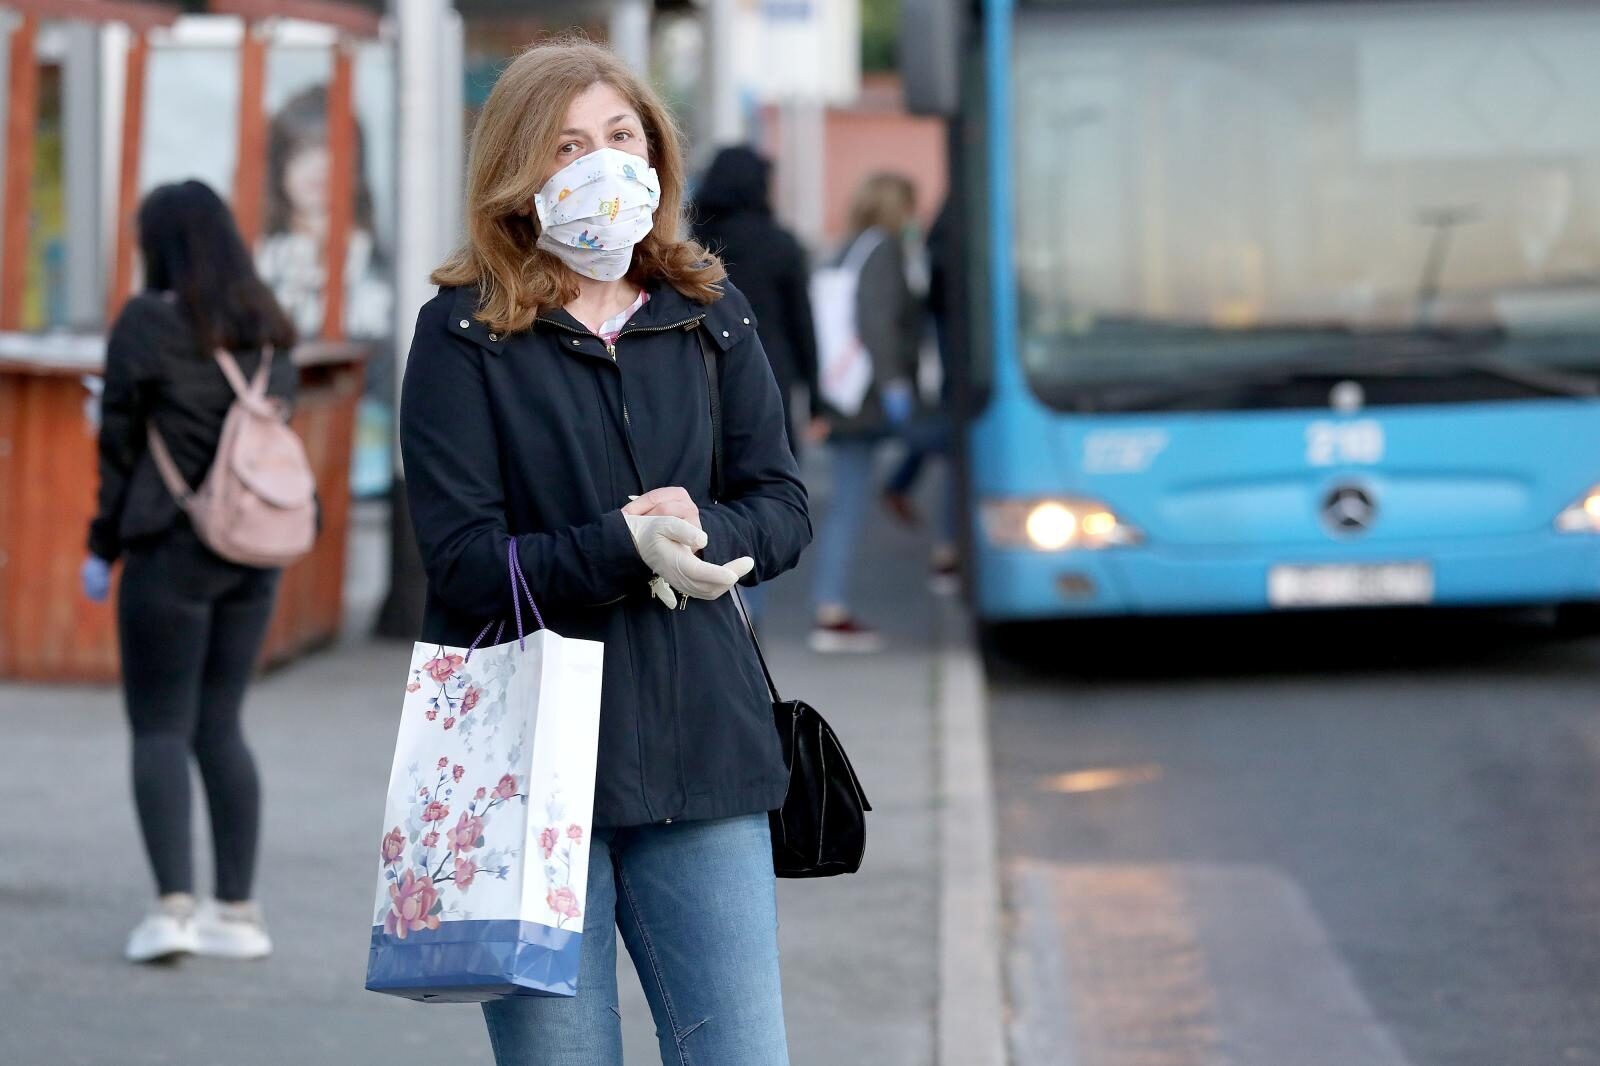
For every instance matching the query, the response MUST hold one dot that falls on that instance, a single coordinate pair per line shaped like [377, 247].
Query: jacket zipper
[611, 350]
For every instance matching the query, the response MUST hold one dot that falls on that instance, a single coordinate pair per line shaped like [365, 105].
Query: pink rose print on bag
[443, 667]
[414, 905]
[563, 850]
[394, 845]
[455, 693]
[467, 834]
[564, 902]
[417, 888]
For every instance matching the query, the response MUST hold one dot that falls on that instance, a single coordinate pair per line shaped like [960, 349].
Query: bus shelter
[283, 106]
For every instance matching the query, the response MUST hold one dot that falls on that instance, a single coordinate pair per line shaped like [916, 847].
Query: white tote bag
[484, 855]
[844, 366]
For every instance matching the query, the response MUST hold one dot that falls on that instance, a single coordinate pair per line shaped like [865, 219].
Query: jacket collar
[727, 320]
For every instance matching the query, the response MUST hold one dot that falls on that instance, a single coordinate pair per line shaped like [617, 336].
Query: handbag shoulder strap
[714, 389]
[708, 355]
[861, 249]
[245, 390]
[168, 469]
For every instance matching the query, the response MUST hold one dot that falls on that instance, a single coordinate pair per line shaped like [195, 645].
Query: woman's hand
[671, 502]
[96, 577]
[668, 546]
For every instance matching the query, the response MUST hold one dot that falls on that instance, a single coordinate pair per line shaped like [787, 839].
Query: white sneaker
[232, 931]
[166, 934]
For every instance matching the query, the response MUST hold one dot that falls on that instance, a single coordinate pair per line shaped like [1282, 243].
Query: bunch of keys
[667, 594]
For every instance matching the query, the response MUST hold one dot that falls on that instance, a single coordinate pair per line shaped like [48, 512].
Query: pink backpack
[258, 505]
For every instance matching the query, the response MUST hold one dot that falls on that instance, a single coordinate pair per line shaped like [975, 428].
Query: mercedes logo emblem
[1349, 509]
[1347, 397]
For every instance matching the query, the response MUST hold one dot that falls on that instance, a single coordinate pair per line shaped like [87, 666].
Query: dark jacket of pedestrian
[158, 373]
[734, 220]
[540, 435]
[888, 312]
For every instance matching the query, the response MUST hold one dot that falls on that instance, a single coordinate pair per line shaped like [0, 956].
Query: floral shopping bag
[484, 853]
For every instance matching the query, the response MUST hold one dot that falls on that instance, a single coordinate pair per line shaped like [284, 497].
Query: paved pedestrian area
[859, 952]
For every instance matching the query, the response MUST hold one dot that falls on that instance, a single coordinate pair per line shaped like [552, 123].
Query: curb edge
[970, 1011]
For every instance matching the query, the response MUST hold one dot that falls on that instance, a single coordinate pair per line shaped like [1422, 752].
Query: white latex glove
[668, 545]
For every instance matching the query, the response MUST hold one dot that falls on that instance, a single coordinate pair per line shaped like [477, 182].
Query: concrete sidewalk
[861, 954]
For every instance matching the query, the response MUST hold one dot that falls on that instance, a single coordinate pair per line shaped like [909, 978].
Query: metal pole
[629, 32]
[429, 100]
[81, 127]
[724, 119]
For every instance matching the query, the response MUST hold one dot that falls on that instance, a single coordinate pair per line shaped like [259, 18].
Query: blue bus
[1284, 305]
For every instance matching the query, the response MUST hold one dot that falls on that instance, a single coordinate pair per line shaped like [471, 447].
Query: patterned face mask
[595, 210]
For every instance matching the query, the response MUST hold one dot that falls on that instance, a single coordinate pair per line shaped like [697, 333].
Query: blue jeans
[852, 463]
[697, 906]
[928, 438]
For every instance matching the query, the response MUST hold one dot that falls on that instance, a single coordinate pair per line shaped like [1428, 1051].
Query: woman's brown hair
[512, 148]
[884, 200]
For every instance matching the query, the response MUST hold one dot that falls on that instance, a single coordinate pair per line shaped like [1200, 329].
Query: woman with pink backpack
[204, 495]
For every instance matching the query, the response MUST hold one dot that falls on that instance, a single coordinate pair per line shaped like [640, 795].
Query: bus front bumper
[1154, 579]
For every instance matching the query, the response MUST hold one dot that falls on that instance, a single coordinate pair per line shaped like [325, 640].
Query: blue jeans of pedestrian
[928, 438]
[852, 464]
[697, 906]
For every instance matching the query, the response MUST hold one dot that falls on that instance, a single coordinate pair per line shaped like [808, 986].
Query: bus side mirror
[930, 55]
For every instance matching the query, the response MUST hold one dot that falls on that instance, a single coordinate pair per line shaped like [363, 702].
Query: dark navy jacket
[540, 435]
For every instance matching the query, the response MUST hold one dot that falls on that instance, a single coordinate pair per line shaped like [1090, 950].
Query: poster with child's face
[191, 131]
[295, 226]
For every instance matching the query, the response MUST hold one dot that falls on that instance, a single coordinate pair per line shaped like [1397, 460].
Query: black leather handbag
[821, 829]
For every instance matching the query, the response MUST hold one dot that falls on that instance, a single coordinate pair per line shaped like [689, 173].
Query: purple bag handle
[518, 583]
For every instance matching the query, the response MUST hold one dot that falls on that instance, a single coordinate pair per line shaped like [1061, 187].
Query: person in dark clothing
[190, 623]
[733, 213]
[733, 219]
[556, 403]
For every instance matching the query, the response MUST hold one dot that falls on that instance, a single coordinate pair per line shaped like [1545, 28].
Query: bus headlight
[1054, 525]
[1583, 516]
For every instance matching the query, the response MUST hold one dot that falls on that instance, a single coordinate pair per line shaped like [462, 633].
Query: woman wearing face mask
[556, 395]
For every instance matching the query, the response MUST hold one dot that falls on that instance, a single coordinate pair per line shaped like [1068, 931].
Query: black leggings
[191, 625]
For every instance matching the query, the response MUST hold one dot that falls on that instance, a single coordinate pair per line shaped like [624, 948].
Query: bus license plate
[1347, 585]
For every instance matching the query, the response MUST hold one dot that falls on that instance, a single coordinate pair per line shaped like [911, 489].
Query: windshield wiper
[1376, 356]
[1402, 355]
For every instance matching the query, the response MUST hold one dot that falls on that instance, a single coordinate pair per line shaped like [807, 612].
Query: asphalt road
[1334, 841]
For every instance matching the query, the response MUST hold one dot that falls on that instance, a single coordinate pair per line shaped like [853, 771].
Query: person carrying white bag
[556, 413]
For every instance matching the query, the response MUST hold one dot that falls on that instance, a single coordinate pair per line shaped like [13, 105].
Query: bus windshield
[1216, 193]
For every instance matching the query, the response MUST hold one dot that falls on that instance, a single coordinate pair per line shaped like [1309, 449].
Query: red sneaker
[845, 637]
